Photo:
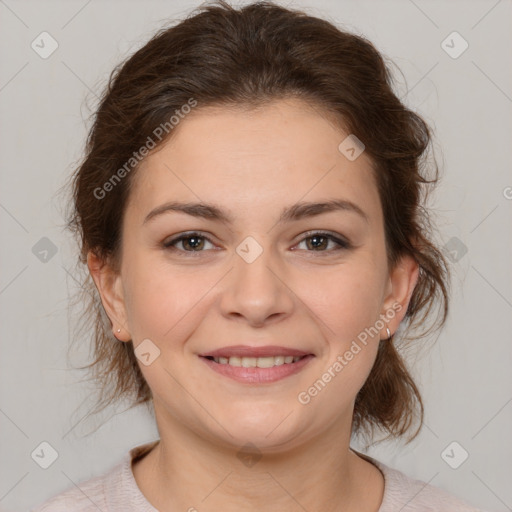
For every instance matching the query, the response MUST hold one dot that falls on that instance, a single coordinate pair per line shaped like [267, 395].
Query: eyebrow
[291, 213]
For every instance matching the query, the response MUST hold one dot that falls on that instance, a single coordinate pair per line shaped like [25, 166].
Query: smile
[259, 362]
[257, 370]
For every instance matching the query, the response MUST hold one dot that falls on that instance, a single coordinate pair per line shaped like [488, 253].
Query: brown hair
[247, 57]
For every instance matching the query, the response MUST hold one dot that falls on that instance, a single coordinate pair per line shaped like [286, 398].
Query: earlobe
[108, 284]
[403, 280]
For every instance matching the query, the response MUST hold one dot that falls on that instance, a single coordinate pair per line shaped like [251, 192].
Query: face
[255, 275]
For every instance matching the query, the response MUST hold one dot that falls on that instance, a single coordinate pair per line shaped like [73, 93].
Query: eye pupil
[315, 240]
[193, 245]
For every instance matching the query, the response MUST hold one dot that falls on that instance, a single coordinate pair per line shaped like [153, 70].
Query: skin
[252, 164]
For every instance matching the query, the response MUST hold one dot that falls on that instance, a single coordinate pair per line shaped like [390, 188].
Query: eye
[318, 241]
[190, 242]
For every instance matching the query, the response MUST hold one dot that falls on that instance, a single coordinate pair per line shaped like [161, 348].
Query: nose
[257, 292]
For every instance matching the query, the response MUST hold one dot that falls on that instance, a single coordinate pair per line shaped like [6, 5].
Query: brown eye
[319, 242]
[191, 242]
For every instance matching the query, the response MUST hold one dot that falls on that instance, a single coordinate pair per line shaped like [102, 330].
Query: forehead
[275, 155]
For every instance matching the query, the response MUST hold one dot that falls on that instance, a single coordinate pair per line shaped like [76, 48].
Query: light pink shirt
[117, 491]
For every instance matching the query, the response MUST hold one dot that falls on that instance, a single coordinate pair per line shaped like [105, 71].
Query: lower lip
[258, 375]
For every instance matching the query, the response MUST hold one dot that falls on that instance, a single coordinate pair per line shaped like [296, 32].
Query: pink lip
[258, 375]
[248, 351]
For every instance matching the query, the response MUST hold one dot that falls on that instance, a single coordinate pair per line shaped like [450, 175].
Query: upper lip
[248, 351]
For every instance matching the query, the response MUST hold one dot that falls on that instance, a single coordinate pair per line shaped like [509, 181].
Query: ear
[402, 281]
[109, 285]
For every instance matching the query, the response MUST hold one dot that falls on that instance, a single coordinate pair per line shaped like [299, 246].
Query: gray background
[465, 378]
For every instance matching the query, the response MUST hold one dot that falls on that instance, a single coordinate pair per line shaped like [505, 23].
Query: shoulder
[115, 489]
[85, 497]
[407, 494]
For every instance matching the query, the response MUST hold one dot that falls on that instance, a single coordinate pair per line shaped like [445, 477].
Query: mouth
[257, 365]
[256, 362]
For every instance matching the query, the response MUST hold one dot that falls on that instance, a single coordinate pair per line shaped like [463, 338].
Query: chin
[271, 429]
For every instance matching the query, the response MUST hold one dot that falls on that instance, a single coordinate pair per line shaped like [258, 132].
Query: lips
[256, 365]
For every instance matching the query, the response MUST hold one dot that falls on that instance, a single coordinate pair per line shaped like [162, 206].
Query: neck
[185, 471]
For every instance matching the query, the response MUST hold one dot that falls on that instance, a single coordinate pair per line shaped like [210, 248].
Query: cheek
[153, 300]
[347, 298]
[347, 301]
[163, 304]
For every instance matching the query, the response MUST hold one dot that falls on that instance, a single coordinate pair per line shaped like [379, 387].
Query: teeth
[265, 362]
[259, 362]
[249, 362]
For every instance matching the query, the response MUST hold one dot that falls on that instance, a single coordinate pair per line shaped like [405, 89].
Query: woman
[250, 210]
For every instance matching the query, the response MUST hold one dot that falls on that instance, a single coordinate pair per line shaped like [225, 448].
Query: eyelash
[342, 244]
